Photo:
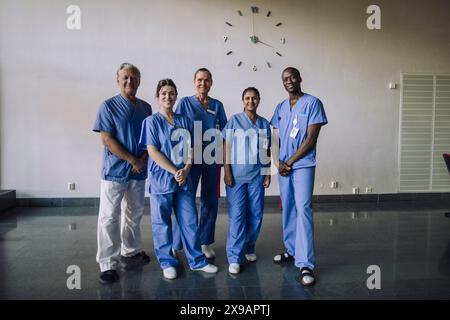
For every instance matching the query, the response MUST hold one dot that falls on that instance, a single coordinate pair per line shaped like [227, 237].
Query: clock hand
[253, 24]
[259, 41]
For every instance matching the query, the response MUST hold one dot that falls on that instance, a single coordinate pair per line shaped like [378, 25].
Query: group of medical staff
[174, 173]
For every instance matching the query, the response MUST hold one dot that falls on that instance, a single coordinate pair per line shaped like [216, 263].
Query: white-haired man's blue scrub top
[296, 189]
[123, 120]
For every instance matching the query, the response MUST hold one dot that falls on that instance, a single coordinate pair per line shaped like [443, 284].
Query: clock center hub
[254, 39]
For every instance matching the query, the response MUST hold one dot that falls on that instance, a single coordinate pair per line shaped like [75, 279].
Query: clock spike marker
[229, 52]
[239, 12]
[269, 13]
[254, 9]
[228, 23]
[279, 54]
[239, 63]
[255, 68]
[268, 64]
[278, 24]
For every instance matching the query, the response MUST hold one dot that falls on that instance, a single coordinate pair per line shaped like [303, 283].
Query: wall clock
[261, 23]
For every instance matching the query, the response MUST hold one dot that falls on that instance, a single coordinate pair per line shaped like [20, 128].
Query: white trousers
[119, 217]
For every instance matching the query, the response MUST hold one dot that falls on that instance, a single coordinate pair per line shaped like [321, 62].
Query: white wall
[52, 79]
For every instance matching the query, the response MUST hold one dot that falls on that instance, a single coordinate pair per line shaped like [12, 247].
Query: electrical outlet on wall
[392, 85]
[333, 184]
[71, 186]
[355, 190]
[369, 189]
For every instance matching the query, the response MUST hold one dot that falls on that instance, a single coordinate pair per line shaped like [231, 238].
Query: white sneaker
[208, 251]
[234, 268]
[209, 268]
[250, 257]
[170, 273]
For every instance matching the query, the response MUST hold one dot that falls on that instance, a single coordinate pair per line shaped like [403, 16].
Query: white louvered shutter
[424, 133]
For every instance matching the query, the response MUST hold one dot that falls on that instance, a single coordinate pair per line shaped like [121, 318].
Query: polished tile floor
[409, 243]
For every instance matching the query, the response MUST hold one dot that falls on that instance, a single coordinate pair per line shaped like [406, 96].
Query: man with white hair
[122, 191]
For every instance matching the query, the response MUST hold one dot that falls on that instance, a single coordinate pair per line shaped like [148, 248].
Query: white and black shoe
[283, 258]
[307, 278]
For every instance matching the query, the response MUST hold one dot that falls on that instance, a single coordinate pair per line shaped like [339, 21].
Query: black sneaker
[307, 278]
[140, 257]
[109, 276]
[283, 258]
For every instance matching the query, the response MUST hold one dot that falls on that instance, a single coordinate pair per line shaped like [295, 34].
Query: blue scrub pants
[183, 204]
[245, 214]
[298, 227]
[208, 206]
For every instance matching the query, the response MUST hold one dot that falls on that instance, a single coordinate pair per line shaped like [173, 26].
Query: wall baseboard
[374, 199]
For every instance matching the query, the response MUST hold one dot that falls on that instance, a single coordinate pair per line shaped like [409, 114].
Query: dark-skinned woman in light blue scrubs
[247, 161]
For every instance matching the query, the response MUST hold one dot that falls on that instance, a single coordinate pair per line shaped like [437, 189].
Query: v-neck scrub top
[124, 120]
[213, 117]
[308, 110]
[248, 140]
[158, 132]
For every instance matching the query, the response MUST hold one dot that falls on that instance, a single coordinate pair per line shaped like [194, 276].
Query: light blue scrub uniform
[124, 120]
[296, 189]
[246, 198]
[214, 117]
[166, 194]
[122, 192]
